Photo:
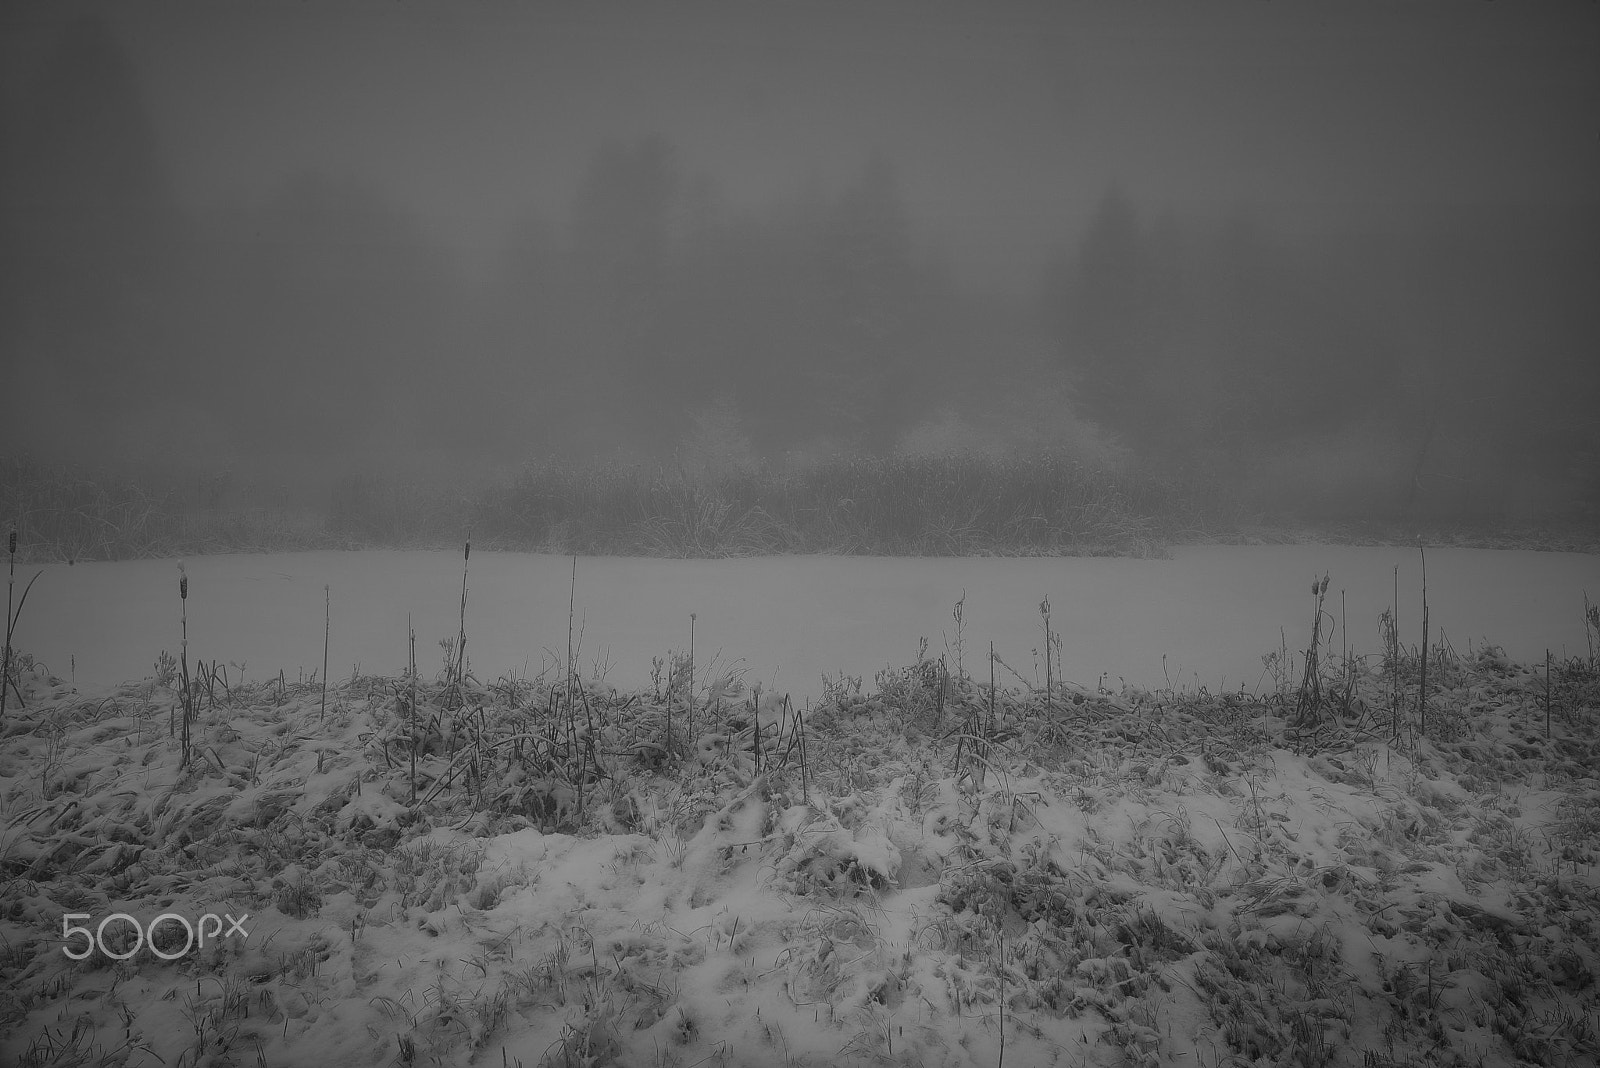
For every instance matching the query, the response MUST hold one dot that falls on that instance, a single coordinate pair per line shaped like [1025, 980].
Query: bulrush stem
[183, 609]
[461, 643]
[1049, 687]
[1547, 668]
[1422, 696]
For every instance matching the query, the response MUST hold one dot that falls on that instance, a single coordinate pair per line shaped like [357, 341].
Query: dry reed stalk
[188, 712]
[755, 718]
[1310, 699]
[6, 684]
[412, 706]
[1591, 628]
[1049, 687]
[1396, 683]
[984, 751]
[1344, 632]
[571, 710]
[805, 792]
[461, 643]
[572, 598]
[958, 613]
[327, 626]
[786, 716]
[691, 678]
[5, 666]
[1547, 664]
[1422, 696]
[1000, 932]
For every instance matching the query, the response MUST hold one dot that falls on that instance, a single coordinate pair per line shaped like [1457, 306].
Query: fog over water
[1341, 257]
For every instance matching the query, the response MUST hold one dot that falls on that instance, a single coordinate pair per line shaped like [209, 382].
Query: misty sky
[1005, 122]
[1264, 239]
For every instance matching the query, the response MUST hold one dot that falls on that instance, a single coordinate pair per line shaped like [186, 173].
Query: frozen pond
[1205, 616]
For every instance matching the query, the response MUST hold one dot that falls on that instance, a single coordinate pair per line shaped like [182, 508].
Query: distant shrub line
[959, 505]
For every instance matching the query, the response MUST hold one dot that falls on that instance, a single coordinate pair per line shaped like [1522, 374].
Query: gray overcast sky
[1006, 122]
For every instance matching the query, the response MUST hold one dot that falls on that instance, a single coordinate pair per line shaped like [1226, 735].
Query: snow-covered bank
[548, 873]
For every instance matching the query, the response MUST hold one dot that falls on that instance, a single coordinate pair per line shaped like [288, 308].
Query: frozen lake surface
[1205, 616]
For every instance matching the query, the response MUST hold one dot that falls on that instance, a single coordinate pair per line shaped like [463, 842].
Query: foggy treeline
[1443, 361]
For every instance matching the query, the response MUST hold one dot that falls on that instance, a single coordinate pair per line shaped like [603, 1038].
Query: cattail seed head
[183, 588]
[13, 543]
[468, 554]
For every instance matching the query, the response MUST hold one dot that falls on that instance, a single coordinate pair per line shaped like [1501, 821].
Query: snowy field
[1205, 616]
[514, 865]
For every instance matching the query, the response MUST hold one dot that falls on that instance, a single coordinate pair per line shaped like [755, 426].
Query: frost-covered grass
[912, 870]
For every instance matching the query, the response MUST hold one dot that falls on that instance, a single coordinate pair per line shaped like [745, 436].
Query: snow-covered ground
[1203, 617]
[505, 871]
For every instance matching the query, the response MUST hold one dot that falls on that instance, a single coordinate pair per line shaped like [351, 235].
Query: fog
[1345, 255]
